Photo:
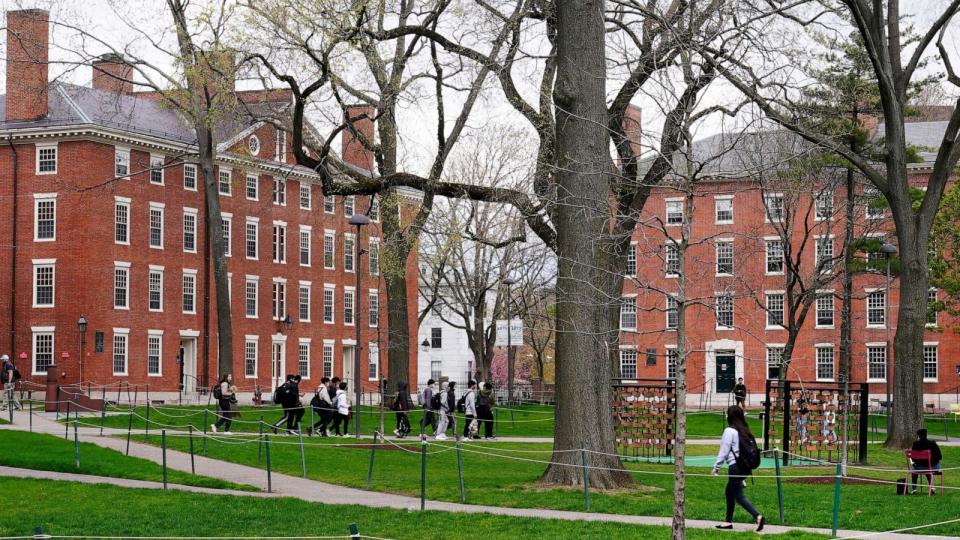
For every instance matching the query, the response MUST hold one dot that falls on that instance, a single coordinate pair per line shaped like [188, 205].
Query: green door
[726, 371]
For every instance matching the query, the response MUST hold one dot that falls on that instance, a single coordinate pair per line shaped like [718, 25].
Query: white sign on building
[516, 333]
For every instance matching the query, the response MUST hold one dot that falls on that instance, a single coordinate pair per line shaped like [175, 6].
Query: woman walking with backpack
[401, 405]
[226, 397]
[738, 449]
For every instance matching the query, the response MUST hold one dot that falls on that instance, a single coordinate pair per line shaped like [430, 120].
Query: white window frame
[373, 361]
[625, 353]
[278, 247]
[883, 308]
[872, 193]
[833, 361]
[350, 292]
[672, 355]
[716, 313]
[667, 203]
[36, 332]
[349, 203]
[255, 281]
[672, 310]
[228, 172]
[329, 204]
[670, 251]
[329, 240]
[193, 273]
[305, 190]
[159, 207]
[255, 341]
[158, 334]
[725, 242]
[305, 230]
[195, 214]
[766, 248]
[301, 343]
[816, 310]
[828, 269]
[872, 347]
[154, 269]
[124, 267]
[327, 360]
[767, 198]
[329, 300]
[817, 206]
[373, 256]
[375, 209]
[226, 227]
[769, 346]
[717, 199]
[121, 156]
[157, 165]
[39, 198]
[936, 314]
[56, 158]
[308, 286]
[627, 302]
[255, 184]
[631, 269]
[279, 191]
[768, 295]
[936, 347]
[349, 253]
[37, 265]
[278, 299]
[189, 167]
[117, 203]
[255, 221]
[373, 308]
[123, 333]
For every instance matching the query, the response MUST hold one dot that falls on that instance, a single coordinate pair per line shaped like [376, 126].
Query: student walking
[342, 403]
[322, 404]
[734, 455]
[426, 400]
[740, 393]
[401, 405]
[226, 396]
[470, 428]
[288, 396]
[448, 404]
[9, 376]
[485, 411]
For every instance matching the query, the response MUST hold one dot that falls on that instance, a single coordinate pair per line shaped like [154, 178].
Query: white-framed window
[329, 299]
[329, 250]
[121, 339]
[251, 294]
[44, 280]
[42, 349]
[156, 225]
[303, 298]
[773, 203]
[875, 204]
[279, 242]
[932, 312]
[349, 306]
[374, 208]
[306, 238]
[631, 269]
[121, 221]
[628, 363]
[876, 308]
[824, 206]
[155, 289]
[824, 309]
[329, 204]
[724, 257]
[673, 358]
[306, 203]
[156, 169]
[349, 205]
[930, 357]
[44, 217]
[280, 145]
[436, 338]
[628, 313]
[46, 158]
[825, 369]
[723, 209]
[349, 243]
[373, 257]
[252, 186]
[774, 361]
[190, 230]
[279, 191]
[373, 308]
[876, 362]
[252, 238]
[673, 315]
[373, 361]
[154, 353]
[250, 356]
[775, 310]
[121, 167]
[775, 262]
[724, 311]
[303, 358]
[824, 247]
[436, 369]
[674, 212]
[225, 183]
[328, 357]
[189, 302]
[279, 299]
[190, 177]
[226, 227]
[121, 285]
[671, 255]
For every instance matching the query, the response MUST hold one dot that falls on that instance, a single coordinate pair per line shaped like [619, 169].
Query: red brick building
[104, 217]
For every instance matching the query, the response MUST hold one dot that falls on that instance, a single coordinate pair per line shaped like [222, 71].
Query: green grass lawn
[135, 512]
[492, 479]
[50, 453]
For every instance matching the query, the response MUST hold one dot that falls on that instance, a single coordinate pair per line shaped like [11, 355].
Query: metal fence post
[129, 430]
[463, 493]
[303, 458]
[76, 443]
[373, 450]
[260, 443]
[586, 474]
[776, 464]
[269, 480]
[836, 501]
[193, 468]
[423, 472]
[163, 449]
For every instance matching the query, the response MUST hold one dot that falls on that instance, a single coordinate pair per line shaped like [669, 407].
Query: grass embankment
[135, 512]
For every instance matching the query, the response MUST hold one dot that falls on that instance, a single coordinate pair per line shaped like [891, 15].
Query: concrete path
[311, 490]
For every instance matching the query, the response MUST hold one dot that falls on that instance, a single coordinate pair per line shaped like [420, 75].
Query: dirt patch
[849, 480]
[537, 487]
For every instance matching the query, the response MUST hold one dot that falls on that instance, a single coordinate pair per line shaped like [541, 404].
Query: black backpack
[217, 394]
[462, 404]
[483, 401]
[315, 402]
[748, 455]
[16, 374]
[435, 401]
[280, 394]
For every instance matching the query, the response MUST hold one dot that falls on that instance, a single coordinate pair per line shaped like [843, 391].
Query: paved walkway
[312, 490]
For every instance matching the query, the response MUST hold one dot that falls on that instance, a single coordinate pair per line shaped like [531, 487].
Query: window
[156, 225]
[673, 358]
[306, 236]
[373, 308]
[121, 286]
[349, 296]
[628, 313]
[44, 217]
[250, 357]
[775, 261]
[155, 289]
[189, 291]
[824, 246]
[435, 370]
[305, 203]
[875, 204]
[279, 242]
[190, 230]
[122, 162]
[724, 258]
[374, 208]
[876, 308]
[304, 302]
[253, 187]
[279, 191]
[373, 362]
[824, 206]
[226, 227]
[373, 257]
[329, 204]
[825, 310]
[251, 295]
[329, 296]
[190, 177]
[724, 210]
[120, 341]
[329, 250]
[672, 258]
[47, 158]
[349, 205]
[121, 221]
[303, 358]
[674, 211]
[775, 310]
[251, 238]
[774, 361]
[156, 169]
[930, 355]
[631, 269]
[824, 362]
[279, 299]
[42, 350]
[327, 358]
[932, 308]
[877, 363]
[436, 338]
[774, 205]
[672, 312]
[154, 352]
[628, 364]
[280, 142]
[44, 277]
[223, 185]
[724, 311]
[348, 252]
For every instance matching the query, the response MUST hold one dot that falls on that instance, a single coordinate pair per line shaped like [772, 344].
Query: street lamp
[888, 250]
[82, 328]
[358, 221]
[510, 367]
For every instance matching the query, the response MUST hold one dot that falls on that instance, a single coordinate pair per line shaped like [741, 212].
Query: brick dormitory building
[104, 217]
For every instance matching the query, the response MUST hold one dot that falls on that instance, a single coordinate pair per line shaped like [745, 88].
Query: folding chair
[923, 456]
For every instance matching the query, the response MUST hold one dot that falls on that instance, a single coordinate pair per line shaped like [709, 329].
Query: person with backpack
[740, 393]
[287, 396]
[342, 416]
[448, 405]
[427, 401]
[401, 405]
[9, 375]
[738, 450]
[225, 395]
[468, 406]
[485, 411]
[322, 404]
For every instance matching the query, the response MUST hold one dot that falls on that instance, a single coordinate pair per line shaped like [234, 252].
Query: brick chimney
[631, 128]
[28, 34]
[353, 151]
[111, 73]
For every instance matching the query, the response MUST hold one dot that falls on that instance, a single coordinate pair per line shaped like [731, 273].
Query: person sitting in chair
[919, 466]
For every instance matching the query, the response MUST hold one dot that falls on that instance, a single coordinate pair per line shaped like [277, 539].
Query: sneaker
[913, 491]
[397, 433]
[441, 437]
[227, 433]
[213, 428]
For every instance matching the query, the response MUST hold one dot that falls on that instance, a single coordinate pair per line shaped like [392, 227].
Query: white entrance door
[348, 366]
[277, 355]
[188, 346]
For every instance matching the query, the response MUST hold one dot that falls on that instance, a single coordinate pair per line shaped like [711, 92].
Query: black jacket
[927, 444]
[740, 390]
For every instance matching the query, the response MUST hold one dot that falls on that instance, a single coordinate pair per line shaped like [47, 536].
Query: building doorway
[188, 352]
[348, 366]
[726, 371]
[278, 351]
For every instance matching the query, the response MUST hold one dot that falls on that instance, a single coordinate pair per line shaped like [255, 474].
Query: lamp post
[510, 367]
[82, 328]
[888, 250]
[357, 220]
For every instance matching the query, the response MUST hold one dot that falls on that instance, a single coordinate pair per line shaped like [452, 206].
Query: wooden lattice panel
[644, 418]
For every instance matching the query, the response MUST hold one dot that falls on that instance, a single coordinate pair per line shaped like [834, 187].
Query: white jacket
[470, 403]
[343, 402]
[729, 446]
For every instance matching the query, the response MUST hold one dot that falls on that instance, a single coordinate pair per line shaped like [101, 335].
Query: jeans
[734, 492]
[226, 415]
[10, 398]
[922, 467]
[341, 419]
[321, 425]
[428, 419]
[403, 423]
[292, 415]
[466, 424]
[486, 420]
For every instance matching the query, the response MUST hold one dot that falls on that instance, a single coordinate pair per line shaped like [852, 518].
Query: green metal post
[303, 457]
[586, 474]
[463, 493]
[776, 464]
[66, 425]
[260, 443]
[193, 467]
[103, 409]
[146, 424]
[836, 501]
[373, 450]
[266, 442]
[423, 472]
[163, 448]
[354, 531]
[76, 444]
[129, 430]
[945, 435]
[203, 448]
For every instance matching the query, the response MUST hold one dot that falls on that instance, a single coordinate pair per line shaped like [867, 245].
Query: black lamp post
[82, 328]
[358, 221]
[510, 361]
[888, 250]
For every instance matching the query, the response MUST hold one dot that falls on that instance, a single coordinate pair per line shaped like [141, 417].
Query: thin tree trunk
[846, 308]
[679, 523]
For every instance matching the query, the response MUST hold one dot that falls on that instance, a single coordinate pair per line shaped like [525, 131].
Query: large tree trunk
[221, 285]
[587, 276]
[393, 266]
